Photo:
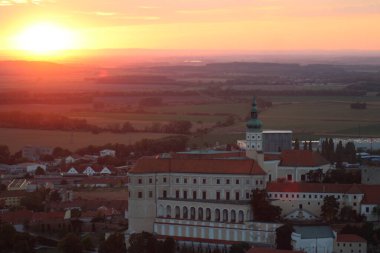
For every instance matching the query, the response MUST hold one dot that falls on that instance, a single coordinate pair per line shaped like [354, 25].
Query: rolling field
[306, 116]
[17, 138]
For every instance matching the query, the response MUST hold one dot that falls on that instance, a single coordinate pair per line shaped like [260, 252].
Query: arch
[161, 211]
[208, 214]
[200, 213]
[177, 212]
[225, 215]
[185, 214]
[217, 215]
[192, 213]
[168, 211]
[241, 216]
[233, 216]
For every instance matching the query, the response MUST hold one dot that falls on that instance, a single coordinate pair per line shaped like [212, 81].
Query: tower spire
[254, 123]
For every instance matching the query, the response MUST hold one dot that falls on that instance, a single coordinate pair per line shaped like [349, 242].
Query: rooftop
[270, 250]
[301, 158]
[312, 232]
[199, 166]
[350, 238]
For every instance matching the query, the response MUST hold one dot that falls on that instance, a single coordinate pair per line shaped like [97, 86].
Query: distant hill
[32, 68]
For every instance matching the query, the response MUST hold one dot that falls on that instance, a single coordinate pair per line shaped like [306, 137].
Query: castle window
[177, 180]
[185, 194]
[247, 195]
[218, 195]
[204, 181]
[185, 180]
[177, 194]
[150, 180]
[227, 181]
[237, 181]
[194, 181]
[204, 195]
[237, 195]
[164, 180]
[139, 195]
[218, 181]
[139, 181]
[164, 194]
[227, 195]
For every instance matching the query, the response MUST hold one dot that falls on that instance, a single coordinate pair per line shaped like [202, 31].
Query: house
[313, 239]
[349, 243]
[34, 153]
[72, 158]
[107, 152]
[303, 201]
[12, 198]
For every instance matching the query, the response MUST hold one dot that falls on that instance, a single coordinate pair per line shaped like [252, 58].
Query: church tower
[254, 135]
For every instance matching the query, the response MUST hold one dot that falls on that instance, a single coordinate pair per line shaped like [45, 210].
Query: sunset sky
[253, 25]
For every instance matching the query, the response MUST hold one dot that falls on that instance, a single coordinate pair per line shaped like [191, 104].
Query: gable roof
[349, 238]
[301, 158]
[202, 166]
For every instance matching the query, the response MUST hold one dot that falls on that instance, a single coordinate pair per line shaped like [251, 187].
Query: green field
[306, 116]
[17, 138]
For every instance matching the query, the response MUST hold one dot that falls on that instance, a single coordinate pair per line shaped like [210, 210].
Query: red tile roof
[270, 250]
[350, 238]
[301, 158]
[206, 155]
[272, 157]
[312, 187]
[48, 216]
[16, 217]
[371, 194]
[206, 166]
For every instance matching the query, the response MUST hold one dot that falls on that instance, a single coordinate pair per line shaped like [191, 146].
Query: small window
[292, 196]
[237, 196]
[194, 181]
[261, 182]
[151, 180]
[194, 195]
[140, 181]
[354, 196]
[204, 181]
[204, 195]
[275, 195]
[315, 196]
[227, 181]
[177, 180]
[286, 196]
[150, 194]
[280, 195]
[164, 194]
[247, 195]
[218, 181]
[218, 195]
[164, 180]
[304, 196]
[237, 181]
[257, 182]
[227, 195]
[185, 194]
[140, 195]
[185, 180]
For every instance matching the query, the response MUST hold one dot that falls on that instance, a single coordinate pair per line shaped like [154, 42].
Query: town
[267, 193]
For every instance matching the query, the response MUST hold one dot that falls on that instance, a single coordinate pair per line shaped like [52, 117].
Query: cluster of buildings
[204, 197]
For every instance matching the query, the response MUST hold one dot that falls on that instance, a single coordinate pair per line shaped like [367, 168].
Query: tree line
[17, 119]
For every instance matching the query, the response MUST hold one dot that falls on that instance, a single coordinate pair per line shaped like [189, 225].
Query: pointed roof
[254, 123]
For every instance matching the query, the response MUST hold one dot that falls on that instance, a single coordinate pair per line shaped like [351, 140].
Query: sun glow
[44, 39]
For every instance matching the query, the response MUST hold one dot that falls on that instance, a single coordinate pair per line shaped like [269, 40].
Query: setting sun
[44, 39]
